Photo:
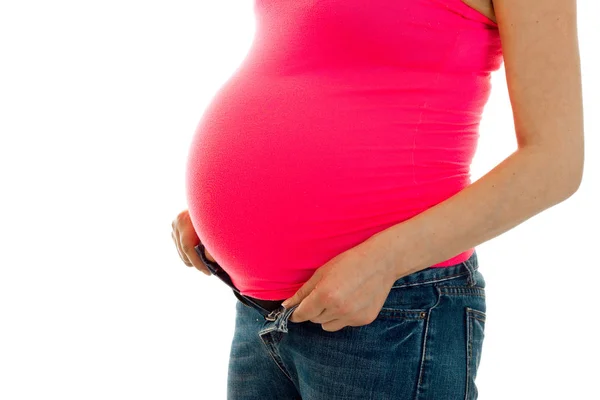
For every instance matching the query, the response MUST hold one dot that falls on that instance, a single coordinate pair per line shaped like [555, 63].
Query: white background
[98, 104]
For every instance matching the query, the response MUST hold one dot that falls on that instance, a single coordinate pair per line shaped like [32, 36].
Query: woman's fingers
[195, 260]
[185, 239]
[180, 250]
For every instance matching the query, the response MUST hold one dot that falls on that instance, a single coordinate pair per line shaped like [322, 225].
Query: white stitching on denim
[415, 314]
[469, 344]
[471, 314]
[477, 313]
[432, 280]
[463, 290]
[424, 350]
[274, 359]
[284, 321]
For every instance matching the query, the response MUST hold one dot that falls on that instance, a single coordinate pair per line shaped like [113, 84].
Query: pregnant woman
[332, 170]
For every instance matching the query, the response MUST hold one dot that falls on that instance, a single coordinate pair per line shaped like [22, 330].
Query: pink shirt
[345, 118]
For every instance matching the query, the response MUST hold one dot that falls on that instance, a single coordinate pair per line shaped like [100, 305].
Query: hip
[426, 343]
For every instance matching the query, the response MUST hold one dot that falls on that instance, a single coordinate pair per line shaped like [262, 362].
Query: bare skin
[184, 235]
[542, 63]
[186, 239]
[486, 7]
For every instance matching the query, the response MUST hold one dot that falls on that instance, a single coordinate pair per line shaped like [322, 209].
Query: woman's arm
[541, 56]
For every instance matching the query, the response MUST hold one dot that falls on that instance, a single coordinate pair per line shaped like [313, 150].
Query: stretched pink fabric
[345, 118]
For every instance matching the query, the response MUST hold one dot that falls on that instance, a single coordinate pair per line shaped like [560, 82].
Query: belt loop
[471, 269]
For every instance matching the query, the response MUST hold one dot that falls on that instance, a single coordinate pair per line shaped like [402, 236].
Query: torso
[345, 118]
[486, 7]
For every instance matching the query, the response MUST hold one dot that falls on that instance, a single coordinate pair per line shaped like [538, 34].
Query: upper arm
[543, 74]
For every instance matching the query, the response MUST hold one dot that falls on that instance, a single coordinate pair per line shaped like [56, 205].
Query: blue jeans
[425, 344]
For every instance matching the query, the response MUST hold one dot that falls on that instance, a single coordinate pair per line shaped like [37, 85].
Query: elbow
[565, 167]
[576, 176]
[574, 185]
[572, 182]
[568, 193]
[576, 159]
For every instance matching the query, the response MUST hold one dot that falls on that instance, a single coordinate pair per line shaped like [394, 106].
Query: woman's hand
[349, 290]
[186, 239]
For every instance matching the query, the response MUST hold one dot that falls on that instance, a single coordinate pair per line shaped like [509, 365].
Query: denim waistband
[265, 307]
[439, 274]
[422, 277]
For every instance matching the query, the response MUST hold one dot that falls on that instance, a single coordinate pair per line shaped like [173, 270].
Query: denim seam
[471, 314]
[463, 291]
[254, 306]
[474, 295]
[275, 359]
[424, 349]
[476, 313]
[244, 304]
[270, 329]
[402, 314]
[433, 280]
[258, 308]
[469, 351]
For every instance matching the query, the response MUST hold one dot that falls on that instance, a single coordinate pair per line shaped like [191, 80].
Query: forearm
[524, 184]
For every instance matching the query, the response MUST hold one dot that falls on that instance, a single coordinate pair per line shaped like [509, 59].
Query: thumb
[301, 293]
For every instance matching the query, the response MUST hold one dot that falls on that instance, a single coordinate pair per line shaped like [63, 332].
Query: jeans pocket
[475, 334]
[409, 302]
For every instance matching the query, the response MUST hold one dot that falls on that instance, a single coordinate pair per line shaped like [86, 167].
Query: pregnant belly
[282, 177]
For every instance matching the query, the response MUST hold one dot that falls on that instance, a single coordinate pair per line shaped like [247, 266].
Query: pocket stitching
[462, 290]
[403, 314]
[477, 313]
[410, 314]
[471, 314]
[432, 280]
[469, 349]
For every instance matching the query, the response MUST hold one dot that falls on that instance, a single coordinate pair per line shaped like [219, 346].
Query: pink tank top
[346, 117]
